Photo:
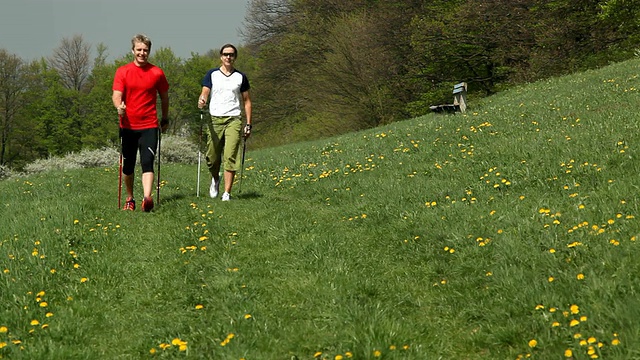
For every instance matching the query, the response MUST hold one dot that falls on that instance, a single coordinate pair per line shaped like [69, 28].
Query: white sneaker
[226, 196]
[213, 190]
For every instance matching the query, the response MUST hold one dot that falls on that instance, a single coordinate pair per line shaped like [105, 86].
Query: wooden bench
[459, 100]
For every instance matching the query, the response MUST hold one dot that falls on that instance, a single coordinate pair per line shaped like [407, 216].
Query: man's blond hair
[140, 38]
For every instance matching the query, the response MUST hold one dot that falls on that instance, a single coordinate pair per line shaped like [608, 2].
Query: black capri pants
[143, 141]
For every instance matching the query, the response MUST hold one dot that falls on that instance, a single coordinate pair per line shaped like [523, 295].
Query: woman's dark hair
[235, 51]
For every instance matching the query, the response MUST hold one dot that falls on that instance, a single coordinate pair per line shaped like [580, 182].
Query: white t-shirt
[226, 91]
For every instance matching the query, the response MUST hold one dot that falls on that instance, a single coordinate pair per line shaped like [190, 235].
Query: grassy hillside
[507, 232]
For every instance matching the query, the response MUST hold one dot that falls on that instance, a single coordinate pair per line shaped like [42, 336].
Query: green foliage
[507, 232]
[185, 88]
[99, 120]
[315, 65]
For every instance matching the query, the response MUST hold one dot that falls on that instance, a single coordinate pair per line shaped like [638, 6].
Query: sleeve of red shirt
[118, 81]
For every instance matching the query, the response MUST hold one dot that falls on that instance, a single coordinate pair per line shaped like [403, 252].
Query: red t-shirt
[140, 87]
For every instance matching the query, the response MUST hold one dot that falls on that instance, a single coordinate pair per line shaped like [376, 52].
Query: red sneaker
[130, 204]
[147, 204]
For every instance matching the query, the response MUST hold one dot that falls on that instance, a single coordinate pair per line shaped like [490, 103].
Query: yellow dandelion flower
[49, 314]
[551, 278]
[533, 343]
[317, 354]
[152, 351]
[539, 306]
[199, 306]
[84, 280]
[555, 324]
[574, 309]
[583, 342]
[577, 336]
[553, 251]
[568, 353]
[574, 322]
[247, 316]
[35, 322]
[377, 353]
[591, 340]
[615, 342]
[583, 318]
[338, 357]
[580, 276]
[44, 304]
[3, 329]
[2, 344]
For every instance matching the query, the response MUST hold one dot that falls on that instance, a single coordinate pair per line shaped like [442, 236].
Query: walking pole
[120, 175]
[199, 154]
[158, 181]
[244, 148]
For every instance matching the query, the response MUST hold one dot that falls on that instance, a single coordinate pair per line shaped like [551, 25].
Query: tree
[265, 20]
[186, 87]
[12, 87]
[72, 60]
[355, 81]
[99, 119]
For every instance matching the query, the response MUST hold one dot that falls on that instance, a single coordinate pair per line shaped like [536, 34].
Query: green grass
[442, 237]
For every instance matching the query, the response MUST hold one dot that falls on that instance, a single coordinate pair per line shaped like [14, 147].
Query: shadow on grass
[249, 195]
[170, 198]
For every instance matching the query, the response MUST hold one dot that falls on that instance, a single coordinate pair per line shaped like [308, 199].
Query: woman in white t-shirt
[227, 90]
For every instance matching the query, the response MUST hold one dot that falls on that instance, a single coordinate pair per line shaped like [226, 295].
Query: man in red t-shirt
[135, 89]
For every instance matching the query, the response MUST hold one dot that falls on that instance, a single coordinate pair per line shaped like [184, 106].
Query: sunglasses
[229, 54]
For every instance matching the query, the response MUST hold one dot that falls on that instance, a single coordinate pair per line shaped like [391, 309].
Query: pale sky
[31, 29]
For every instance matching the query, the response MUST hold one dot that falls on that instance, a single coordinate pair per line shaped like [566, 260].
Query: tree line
[323, 67]
[62, 104]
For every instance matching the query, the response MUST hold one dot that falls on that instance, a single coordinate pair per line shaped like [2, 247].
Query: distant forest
[322, 67]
